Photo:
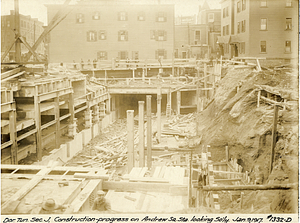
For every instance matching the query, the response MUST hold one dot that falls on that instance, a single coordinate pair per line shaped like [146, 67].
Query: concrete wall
[66, 151]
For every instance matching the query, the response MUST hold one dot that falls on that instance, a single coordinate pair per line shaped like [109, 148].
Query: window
[161, 35]
[224, 30]
[102, 55]
[123, 35]
[224, 12]
[152, 34]
[288, 3]
[160, 54]
[79, 18]
[239, 6]
[91, 36]
[211, 17]
[227, 30]
[288, 47]
[263, 3]
[102, 35]
[161, 17]
[227, 11]
[122, 16]
[8, 23]
[244, 26]
[141, 16]
[288, 23]
[238, 27]
[243, 5]
[263, 46]
[263, 24]
[197, 35]
[123, 55]
[242, 48]
[135, 55]
[96, 16]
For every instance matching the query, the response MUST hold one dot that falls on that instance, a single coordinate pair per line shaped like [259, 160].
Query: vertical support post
[190, 179]
[130, 140]
[173, 71]
[72, 125]
[227, 153]
[141, 135]
[37, 119]
[133, 74]
[105, 77]
[169, 104]
[205, 79]
[274, 130]
[178, 101]
[143, 77]
[149, 133]
[57, 124]
[258, 98]
[13, 135]
[17, 28]
[159, 114]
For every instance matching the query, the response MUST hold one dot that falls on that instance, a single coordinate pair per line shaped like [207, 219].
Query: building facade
[30, 29]
[105, 30]
[259, 28]
[199, 40]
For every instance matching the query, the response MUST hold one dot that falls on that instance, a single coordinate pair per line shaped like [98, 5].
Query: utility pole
[17, 29]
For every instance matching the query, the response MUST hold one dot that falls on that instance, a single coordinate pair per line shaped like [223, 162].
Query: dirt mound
[233, 119]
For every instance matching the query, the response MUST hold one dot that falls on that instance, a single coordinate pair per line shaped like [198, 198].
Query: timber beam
[252, 187]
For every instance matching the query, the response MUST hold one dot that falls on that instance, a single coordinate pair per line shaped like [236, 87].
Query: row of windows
[263, 3]
[241, 26]
[264, 22]
[123, 16]
[93, 36]
[263, 47]
[123, 55]
[241, 6]
[287, 46]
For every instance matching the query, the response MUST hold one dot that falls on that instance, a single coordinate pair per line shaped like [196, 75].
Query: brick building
[259, 28]
[30, 29]
[112, 29]
[199, 40]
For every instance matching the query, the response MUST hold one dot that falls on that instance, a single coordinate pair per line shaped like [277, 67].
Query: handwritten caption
[201, 218]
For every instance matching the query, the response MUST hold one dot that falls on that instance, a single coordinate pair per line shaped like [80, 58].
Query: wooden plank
[148, 179]
[136, 186]
[156, 171]
[143, 171]
[135, 172]
[84, 195]
[10, 73]
[91, 176]
[25, 189]
[140, 201]
[252, 187]
[162, 172]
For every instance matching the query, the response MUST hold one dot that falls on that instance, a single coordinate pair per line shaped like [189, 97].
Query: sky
[36, 8]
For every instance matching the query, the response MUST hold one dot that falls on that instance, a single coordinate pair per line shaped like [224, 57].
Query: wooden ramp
[150, 201]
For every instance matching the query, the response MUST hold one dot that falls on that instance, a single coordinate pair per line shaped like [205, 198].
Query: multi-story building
[259, 28]
[106, 29]
[199, 40]
[30, 29]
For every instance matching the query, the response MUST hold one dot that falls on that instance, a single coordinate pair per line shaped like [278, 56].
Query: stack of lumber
[181, 125]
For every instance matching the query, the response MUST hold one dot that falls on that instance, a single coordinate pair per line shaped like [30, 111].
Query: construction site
[184, 136]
